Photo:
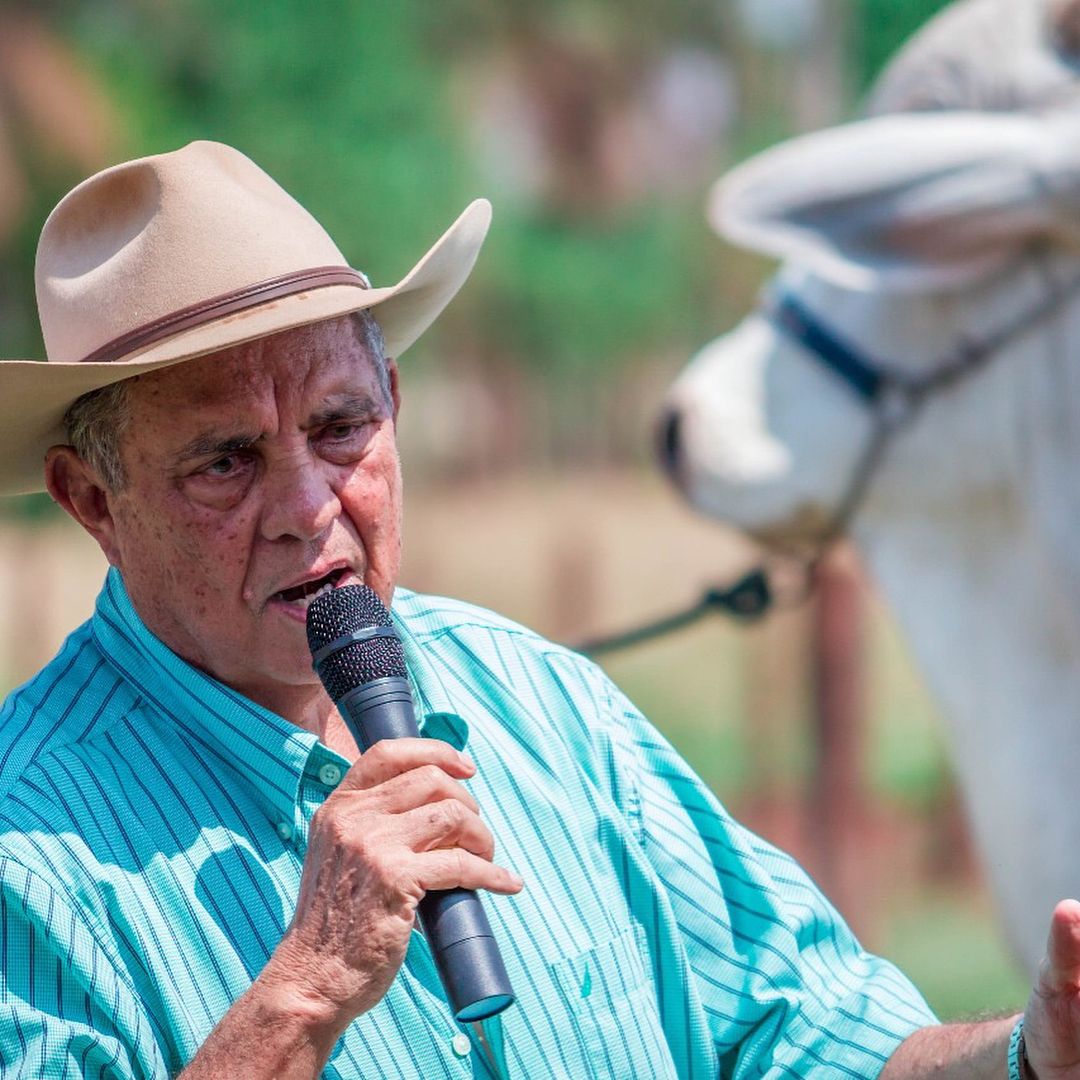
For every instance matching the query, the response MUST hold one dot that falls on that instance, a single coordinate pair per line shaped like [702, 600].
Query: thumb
[1060, 970]
[1052, 1017]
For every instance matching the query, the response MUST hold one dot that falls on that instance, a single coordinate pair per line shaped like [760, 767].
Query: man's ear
[79, 490]
[395, 393]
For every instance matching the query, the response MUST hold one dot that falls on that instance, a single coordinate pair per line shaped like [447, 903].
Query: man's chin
[292, 667]
[277, 659]
[288, 689]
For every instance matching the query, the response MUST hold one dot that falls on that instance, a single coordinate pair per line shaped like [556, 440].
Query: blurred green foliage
[881, 26]
[955, 956]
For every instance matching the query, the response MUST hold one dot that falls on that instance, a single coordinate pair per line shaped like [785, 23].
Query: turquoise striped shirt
[153, 825]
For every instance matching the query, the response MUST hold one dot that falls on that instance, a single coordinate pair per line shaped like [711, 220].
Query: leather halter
[894, 397]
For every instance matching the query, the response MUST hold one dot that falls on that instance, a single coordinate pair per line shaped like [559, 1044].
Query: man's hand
[399, 824]
[1051, 1024]
[1052, 1017]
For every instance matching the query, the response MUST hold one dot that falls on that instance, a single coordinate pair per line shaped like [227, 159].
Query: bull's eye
[668, 440]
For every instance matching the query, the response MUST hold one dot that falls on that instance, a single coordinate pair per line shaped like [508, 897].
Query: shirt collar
[269, 752]
[265, 749]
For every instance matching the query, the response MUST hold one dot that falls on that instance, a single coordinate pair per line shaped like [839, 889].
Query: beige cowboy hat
[174, 256]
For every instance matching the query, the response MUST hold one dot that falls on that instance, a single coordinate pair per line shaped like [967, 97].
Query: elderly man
[199, 871]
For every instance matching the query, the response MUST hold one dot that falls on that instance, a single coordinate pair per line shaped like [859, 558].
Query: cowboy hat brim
[35, 394]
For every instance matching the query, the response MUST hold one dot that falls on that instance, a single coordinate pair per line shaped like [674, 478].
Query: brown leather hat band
[227, 304]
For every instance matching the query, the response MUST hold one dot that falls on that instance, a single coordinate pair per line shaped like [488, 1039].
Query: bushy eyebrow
[345, 407]
[337, 408]
[209, 444]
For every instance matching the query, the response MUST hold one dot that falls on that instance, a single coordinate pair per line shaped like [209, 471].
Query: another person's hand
[399, 824]
[1052, 1017]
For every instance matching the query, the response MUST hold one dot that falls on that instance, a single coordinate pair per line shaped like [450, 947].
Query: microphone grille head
[344, 611]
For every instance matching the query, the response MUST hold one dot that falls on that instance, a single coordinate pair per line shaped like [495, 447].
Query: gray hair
[96, 422]
[369, 334]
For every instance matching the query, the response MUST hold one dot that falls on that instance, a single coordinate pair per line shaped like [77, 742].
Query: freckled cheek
[208, 556]
[372, 501]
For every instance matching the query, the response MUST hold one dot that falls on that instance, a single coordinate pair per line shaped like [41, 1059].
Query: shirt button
[330, 774]
[461, 1045]
[284, 830]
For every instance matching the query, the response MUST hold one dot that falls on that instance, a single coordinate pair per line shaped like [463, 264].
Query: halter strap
[791, 316]
[892, 395]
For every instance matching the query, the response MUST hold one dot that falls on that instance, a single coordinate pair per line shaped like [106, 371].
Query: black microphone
[360, 660]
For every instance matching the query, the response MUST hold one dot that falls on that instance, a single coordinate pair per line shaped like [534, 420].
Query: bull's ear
[915, 201]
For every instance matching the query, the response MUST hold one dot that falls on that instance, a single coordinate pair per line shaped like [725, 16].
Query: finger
[418, 787]
[445, 824]
[453, 868]
[392, 757]
[1061, 968]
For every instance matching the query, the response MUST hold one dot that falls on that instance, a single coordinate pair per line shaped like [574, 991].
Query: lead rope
[748, 599]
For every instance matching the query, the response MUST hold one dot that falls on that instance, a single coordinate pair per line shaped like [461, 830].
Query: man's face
[255, 476]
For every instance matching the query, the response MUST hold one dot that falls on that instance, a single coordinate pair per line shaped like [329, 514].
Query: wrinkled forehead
[296, 365]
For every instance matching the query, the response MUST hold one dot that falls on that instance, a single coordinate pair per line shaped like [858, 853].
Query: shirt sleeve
[65, 1009]
[787, 989]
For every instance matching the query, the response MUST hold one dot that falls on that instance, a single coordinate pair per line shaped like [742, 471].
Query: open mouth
[307, 591]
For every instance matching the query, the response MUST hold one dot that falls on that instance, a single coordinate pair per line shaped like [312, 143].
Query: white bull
[908, 234]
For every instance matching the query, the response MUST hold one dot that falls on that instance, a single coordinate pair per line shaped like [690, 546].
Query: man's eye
[223, 466]
[341, 431]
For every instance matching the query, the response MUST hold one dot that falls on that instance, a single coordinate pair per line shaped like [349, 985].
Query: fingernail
[517, 880]
[466, 760]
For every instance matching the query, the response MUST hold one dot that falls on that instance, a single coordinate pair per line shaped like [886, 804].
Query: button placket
[330, 774]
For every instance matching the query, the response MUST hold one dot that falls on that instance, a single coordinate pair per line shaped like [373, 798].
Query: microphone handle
[455, 924]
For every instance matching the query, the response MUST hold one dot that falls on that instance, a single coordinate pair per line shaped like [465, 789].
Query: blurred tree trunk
[838, 803]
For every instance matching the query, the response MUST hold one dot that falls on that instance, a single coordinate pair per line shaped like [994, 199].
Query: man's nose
[300, 502]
